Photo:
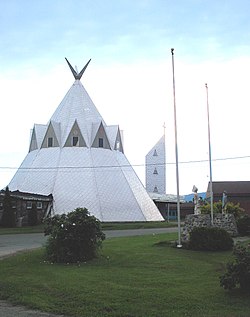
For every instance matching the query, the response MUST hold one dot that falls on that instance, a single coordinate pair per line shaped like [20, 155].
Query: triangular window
[155, 171]
[75, 137]
[155, 153]
[101, 139]
[155, 189]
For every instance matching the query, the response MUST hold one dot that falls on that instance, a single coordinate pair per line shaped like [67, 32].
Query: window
[117, 145]
[155, 171]
[39, 205]
[100, 142]
[155, 189]
[29, 205]
[50, 142]
[155, 153]
[75, 140]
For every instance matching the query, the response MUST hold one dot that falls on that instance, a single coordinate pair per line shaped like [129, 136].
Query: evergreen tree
[8, 217]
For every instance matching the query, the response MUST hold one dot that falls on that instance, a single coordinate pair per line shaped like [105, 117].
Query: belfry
[80, 160]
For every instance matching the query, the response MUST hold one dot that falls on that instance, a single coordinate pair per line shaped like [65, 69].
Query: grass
[133, 277]
[17, 230]
[105, 226]
[137, 225]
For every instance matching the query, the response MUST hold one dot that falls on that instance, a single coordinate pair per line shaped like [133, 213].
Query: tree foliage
[238, 271]
[73, 237]
[8, 216]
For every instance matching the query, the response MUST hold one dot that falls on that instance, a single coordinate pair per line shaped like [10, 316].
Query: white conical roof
[77, 105]
[78, 159]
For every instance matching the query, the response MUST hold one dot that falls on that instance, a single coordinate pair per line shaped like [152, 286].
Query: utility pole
[210, 163]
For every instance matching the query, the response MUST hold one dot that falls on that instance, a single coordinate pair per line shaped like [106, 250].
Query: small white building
[80, 160]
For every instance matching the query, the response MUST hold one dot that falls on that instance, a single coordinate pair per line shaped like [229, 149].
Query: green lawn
[28, 229]
[133, 277]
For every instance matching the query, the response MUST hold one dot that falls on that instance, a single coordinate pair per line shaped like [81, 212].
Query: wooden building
[23, 202]
[237, 192]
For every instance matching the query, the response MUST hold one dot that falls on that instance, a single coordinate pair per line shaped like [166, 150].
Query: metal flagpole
[176, 158]
[210, 163]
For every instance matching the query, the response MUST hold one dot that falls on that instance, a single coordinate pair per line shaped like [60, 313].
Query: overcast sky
[130, 78]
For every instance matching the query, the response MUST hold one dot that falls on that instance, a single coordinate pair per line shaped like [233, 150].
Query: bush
[232, 208]
[243, 225]
[73, 237]
[210, 239]
[238, 272]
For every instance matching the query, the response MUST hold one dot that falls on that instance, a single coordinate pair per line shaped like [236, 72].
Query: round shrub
[243, 225]
[210, 239]
[73, 237]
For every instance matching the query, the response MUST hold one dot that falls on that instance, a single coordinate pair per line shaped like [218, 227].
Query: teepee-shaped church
[79, 159]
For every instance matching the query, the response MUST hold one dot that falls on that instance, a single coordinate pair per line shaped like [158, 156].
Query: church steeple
[75, 73]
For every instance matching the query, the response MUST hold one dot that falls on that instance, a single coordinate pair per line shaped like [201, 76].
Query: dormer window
[50, 142]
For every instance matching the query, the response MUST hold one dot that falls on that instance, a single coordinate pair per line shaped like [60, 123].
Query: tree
[8, 217]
